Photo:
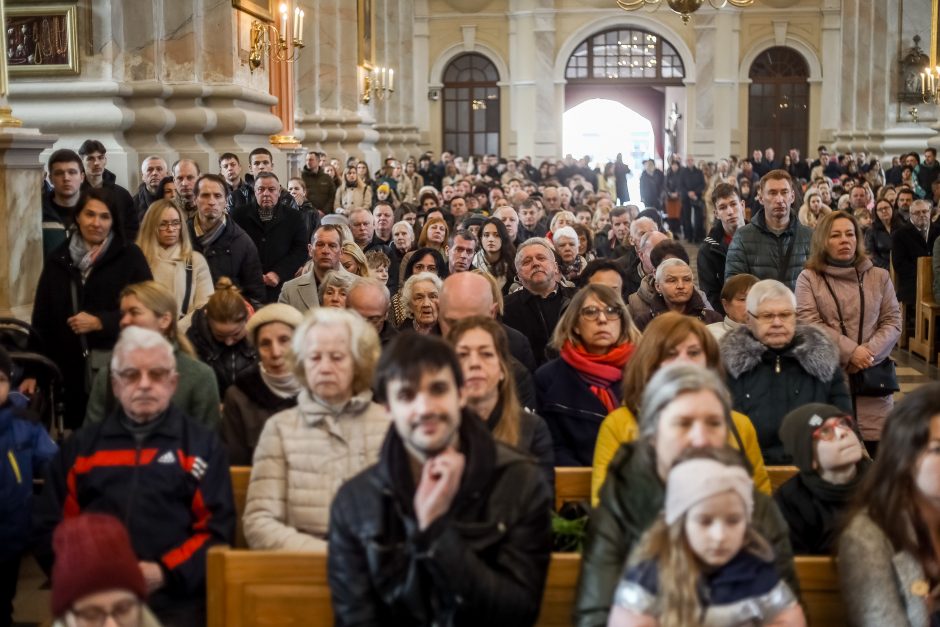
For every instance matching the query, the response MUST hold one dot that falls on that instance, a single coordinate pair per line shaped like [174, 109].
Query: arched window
[778, 109]
[471, 105]
[625, 55]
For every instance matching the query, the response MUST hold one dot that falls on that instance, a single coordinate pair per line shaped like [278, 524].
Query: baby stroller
[20, 340]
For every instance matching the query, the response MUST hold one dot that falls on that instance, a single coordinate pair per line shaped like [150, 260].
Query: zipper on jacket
[16, 467]
[130, 501]
[777, 365]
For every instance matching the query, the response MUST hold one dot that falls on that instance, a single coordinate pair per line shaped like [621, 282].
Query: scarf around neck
[207, 237]
[602, 373]
[84, 256]
[284, 386]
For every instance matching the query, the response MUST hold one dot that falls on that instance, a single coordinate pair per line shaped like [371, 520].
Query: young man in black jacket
[450, 527]
[729, 215]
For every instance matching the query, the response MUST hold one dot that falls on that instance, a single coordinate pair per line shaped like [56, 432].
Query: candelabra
[377, 82]
[267, 40]
[930, 85]
[685, 8]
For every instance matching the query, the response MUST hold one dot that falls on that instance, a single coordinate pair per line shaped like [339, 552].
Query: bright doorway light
[603, 128]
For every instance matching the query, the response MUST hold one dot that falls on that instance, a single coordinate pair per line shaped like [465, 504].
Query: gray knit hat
[796, 432]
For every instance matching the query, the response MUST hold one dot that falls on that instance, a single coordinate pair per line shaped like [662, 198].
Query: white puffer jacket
[303, 457]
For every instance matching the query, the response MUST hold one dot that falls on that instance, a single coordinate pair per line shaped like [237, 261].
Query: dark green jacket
[630, 500]
[757, 250]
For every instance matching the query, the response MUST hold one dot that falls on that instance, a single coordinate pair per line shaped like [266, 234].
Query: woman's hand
[862, 358]
[82, 323]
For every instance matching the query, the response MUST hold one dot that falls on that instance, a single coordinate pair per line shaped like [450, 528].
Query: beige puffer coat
[303, 457]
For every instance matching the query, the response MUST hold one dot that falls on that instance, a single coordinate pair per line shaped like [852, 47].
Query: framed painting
[260, 9]
[366, 34]
[42, 40]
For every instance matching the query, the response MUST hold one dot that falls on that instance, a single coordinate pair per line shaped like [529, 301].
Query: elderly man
[384, 218]
[913, 240]
[450, 527]
[535, 310]
[152, 171]
[729, 216]
[325, 250]
[278, 232]
[510, 219]
[161, 472]
[774, 245]
[461, 248]
[225, 245]
[185, 173]
[631, 262]
[775, 365]
[674, 290]
[362, 225]
[370, 298]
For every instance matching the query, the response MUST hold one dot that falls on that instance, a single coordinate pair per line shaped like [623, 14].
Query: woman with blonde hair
[354, 260]
[353, 193]
[813, 208]
[164, 240]
[307, 452]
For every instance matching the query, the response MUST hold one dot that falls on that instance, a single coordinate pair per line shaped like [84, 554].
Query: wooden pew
[780, 475]
[926, 312]
[240, 477]
[261, 588]
[572, 484]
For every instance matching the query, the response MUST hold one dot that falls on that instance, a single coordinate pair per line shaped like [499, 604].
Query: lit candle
[923, 83]
[382, 84]
[391, 80]
[300, 31]
[283, 20]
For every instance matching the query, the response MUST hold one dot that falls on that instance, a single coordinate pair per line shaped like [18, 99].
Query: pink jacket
[881, 327]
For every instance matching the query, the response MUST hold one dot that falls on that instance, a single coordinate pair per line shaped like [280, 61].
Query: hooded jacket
[766, 384]
[647, 303]
[484, 562]
[757, 250]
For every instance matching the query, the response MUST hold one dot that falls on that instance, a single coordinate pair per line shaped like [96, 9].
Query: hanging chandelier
[685, 8]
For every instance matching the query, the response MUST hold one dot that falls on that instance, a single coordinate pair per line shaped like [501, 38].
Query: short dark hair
[90, 146]
[229, 155]
[463, 234]
[260, 151]
[737, 284]
[65, 155]
[668, 248]
[411, 355]
[215, 178]
[725, 190]
[618, 211]
[599, 265]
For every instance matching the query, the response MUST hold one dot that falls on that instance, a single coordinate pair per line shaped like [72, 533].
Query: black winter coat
[226, 361]
[121, 265]
[281, 242]
[766, 384]
[711, 266]
[907, 244]
[536, 317]
[233, 255]
[878, 243]
[482, 563]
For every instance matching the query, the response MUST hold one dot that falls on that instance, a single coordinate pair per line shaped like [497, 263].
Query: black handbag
[878, 380]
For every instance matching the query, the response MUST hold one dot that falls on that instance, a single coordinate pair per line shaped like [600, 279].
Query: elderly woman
[334, 287]
[265, 388]
[336, 430]
[76, 308]
[403, 240]
[669, 339]
[683, 407]
[482, 347]
[567, 244]
[775, 365]
[673, 290]
[734, 303]
[575, 391]
[423, 260]
[164, 240]
[844, 294]
[888, 565]
[420, 295]
[559, 220]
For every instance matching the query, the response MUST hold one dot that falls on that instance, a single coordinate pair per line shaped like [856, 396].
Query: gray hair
[635, 225]
[335, 278]
[367, 281]
[138, 338]
[768, 289]
[407, 290]
[670, 382]
[411, 230]
[363, 344]
[672, 262]
[565, 232]
[533, 241]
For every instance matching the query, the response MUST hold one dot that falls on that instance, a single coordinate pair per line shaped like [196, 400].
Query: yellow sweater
[620, 427]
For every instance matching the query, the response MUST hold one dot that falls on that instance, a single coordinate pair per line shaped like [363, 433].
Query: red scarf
[601, 372]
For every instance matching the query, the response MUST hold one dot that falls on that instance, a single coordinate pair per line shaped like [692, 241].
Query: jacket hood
[811, 348]
[646, 292]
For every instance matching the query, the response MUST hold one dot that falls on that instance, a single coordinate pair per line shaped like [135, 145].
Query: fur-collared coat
[766, 384]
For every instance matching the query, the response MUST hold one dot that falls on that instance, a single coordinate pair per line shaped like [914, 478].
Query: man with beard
[450, 527]
[729, 215]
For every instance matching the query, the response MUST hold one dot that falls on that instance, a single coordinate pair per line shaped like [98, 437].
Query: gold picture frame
[42, 40]
[366, 33]
[260, 9]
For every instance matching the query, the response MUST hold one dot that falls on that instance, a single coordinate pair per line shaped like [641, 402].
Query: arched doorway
[629, 65]
[778, 101]
[471, 105]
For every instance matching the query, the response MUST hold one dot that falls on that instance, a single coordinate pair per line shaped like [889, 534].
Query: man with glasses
[914, 239]
[155, 468]
[775, 366]
[325, 250]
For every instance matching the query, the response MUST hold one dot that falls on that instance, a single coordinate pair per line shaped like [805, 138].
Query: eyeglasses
[593, 313]
[123, 612]
[130, 376]
[827, 431]
[170, 226]
[767, 316]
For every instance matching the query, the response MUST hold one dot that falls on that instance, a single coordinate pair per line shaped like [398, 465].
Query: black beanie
[6, 363]
[796, 432]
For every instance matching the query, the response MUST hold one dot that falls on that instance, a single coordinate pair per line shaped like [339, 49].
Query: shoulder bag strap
[836, 301]
[75, 310]
[189, 288]
[861, 300]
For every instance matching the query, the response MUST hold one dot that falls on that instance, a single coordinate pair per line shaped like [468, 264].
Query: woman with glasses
[595, 337]
[775, 365]
[844, 294]
[164, 240]
[878, 237]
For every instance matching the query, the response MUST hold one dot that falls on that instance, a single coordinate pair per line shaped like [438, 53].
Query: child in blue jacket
[25, 449]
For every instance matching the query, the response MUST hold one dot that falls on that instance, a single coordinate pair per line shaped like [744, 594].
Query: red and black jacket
[173, 492]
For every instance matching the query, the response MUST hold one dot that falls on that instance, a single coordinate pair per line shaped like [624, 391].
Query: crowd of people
[405, 356]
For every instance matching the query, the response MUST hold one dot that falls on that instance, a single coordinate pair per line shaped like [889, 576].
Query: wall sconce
[434, 94]
[267, 40]
[378, 82]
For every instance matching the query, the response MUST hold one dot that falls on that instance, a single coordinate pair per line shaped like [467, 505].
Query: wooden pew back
[240, 477]
[572, 484]
[780, 475]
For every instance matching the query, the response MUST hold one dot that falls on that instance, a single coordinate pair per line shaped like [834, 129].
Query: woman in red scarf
[595, 337]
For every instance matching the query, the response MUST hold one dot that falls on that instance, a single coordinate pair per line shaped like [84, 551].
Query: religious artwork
[260, 9]
[911, 65]
[366, 34]
[42, 40]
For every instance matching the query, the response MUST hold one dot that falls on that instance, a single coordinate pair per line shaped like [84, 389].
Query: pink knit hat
[695, 480]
